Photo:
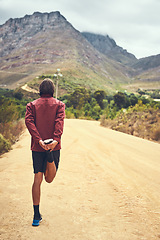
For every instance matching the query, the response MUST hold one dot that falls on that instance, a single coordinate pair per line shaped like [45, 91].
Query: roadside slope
[107, 187]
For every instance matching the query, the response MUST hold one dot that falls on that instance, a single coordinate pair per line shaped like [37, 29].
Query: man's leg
[50, 172]
[39, 165]
[36, 191]
[52, 159]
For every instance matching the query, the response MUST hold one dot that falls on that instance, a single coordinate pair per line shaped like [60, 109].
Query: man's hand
[43, 145]
[47, 147]
[52, 145]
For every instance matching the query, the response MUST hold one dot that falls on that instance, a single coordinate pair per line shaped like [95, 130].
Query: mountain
[144, 64]
[40, 43]
[148, 71]
[108, 46]
[144, 70]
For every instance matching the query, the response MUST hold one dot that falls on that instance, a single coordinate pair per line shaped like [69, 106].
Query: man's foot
[36, 222]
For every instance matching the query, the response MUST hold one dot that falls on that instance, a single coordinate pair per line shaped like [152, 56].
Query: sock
[37, 214]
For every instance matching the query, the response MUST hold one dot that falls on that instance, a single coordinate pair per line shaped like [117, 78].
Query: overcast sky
[133, 24]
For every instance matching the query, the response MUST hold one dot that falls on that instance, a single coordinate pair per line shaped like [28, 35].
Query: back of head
[46, 87]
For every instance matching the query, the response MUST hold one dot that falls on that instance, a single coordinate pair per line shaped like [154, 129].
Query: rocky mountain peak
[108, 46]
[36, 18]
[103, 43]
[16, 32]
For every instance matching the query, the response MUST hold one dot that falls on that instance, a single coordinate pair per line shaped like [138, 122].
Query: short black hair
[46, 87]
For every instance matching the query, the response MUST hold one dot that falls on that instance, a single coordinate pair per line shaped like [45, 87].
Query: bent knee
[49, 179]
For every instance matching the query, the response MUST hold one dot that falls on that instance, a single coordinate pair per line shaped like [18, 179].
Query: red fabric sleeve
[29, 121]
[59, 122]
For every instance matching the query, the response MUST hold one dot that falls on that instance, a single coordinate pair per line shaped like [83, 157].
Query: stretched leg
[36, 188]
[50, 172]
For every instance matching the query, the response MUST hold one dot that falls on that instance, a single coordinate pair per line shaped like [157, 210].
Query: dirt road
[107, 188]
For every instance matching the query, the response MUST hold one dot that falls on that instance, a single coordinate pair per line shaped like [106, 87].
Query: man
[44, 120]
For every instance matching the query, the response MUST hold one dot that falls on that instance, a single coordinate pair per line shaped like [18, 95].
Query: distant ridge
[147, 62]
[108, 46]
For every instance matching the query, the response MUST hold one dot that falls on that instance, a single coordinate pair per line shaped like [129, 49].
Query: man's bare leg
[50, 172]
[36, 188]
[36, 192]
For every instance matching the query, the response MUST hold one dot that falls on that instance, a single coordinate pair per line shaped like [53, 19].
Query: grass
[77, 76]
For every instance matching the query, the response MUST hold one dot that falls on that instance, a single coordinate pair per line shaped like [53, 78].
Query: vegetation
[129, 113]
[12, 112]
[135, 114]
[83, 104]
[73, 78]
[155, 94]
[141, 120]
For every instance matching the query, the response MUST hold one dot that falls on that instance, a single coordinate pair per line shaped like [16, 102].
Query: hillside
[38, 44]
[144, 64]
[144, 71]
[41, 43]
[108, 46]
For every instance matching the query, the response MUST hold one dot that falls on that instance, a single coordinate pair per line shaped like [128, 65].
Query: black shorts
[40, 160]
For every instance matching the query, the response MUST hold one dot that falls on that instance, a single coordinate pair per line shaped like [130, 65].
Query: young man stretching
[44, 120]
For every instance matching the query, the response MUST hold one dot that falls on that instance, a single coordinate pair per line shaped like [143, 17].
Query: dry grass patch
[144, 124]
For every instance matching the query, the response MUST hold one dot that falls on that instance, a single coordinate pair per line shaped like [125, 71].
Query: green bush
[69, 114]
[5, 145]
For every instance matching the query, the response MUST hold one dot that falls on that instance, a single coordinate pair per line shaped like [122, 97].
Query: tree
[79, 98]
[120, 99]
[8, 111]
[96, 112]
[99, 95]
[18, 95]
[133, 99]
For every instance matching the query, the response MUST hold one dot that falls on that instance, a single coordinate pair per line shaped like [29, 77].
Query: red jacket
[45, 119]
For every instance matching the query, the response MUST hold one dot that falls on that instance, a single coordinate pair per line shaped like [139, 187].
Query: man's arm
[59, 122]
[29, 121]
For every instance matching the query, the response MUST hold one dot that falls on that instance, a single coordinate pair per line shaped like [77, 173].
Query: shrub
[69, 114]
[156, 134]
[5, 145]
[12, 130]
[8, 112]
[18, 95]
